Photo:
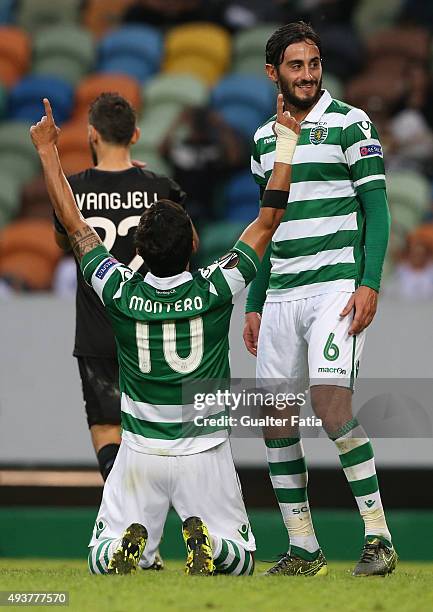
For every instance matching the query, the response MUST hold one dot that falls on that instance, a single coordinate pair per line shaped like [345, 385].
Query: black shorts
[100, 382]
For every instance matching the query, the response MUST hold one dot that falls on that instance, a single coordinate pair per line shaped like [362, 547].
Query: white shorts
[141, 488]
[306, 342]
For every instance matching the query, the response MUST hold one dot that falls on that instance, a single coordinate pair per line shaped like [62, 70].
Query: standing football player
[111, 197]
[316, 292]
[171, 329]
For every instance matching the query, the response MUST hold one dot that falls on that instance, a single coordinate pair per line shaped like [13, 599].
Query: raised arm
[44, 136]
[259, 233]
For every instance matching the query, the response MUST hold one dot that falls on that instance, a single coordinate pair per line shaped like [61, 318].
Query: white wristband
[286, 143]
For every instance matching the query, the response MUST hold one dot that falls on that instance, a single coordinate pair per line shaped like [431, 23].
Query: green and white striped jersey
[170, 331]
[319, 245]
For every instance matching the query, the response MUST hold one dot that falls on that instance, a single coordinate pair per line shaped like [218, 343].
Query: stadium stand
[164, 64]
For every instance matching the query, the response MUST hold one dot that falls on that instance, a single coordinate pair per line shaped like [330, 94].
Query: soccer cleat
[199, 559]
[377, 559]
[157, 565]
[125, 559]
[291, 565]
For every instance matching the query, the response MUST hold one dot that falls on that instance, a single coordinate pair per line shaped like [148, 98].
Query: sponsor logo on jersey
[229, 261]
[269, 140]
[318, 134]
[106, 265]
[372, 149]
[365, 127]
[332, 370]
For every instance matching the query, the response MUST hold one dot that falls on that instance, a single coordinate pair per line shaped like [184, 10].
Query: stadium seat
[135, 50]
[251, 91]
[181, 89]
[65, 51]
[35, 201]
[6, 11]
[151, 157]
[92, 86]
[254, 64]
[202, 49]
[100, 17]
[241, 197]
[29, 253]
[74, 148]
[252, 41]
[200, 39]
[15, 54]
[9, 196]
[18, 156]
[370, 15]
[155, 124]
[244, 101]
[25, 101]
[34, 15]
[410, 190]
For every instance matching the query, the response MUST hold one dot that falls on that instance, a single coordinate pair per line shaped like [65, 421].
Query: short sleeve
[105, 274]
[256, 167]
[176, 193]
[363, 151]
[233, 272]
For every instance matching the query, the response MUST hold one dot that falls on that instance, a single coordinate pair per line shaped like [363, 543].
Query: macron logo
[365, 127]
[105, 266]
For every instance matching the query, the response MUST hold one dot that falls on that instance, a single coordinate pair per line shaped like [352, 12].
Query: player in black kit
[111, 196]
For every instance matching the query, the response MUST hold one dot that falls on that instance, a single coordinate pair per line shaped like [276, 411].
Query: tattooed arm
[44, 136]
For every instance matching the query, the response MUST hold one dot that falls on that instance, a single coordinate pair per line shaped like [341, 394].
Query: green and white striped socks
[289, 478]
[357, 460]
[100, 555]
[231, 558]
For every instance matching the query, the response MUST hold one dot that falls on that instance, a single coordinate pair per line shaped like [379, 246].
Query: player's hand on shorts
[45, 132]
[285, 118]
[251, 331]
[364, 304]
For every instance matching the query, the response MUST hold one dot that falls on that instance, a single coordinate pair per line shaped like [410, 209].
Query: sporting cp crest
[318, 134]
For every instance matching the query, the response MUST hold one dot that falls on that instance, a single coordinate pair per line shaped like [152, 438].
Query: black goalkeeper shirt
[112, 202]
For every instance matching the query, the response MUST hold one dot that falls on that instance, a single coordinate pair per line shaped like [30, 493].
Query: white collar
[316, 113]
[167, 282]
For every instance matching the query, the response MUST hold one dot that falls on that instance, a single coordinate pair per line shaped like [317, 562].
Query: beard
[93, 153]
[290, 97]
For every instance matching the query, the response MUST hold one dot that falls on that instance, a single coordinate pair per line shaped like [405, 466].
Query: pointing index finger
[280, 107]
[48, 110]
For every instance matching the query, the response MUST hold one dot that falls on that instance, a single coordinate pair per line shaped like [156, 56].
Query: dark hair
[164, 238]
[113, 117]
[287, 35]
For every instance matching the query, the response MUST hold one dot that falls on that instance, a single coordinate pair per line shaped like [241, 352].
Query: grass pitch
[409, 589]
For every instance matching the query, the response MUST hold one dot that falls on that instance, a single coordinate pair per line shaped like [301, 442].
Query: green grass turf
[409, 589]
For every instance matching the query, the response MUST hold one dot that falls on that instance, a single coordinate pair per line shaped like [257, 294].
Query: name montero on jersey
[139, 303]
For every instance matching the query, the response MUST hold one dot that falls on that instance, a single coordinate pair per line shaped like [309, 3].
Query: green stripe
[168, 431]
[98, 553]
[281, 442]
[106, 558]
[304, 554]
[366, 486]
[223, 554]
[321, 275]
[233, 565]
[299, 247]
[282, 468]
[319, 171]
[90, 563]
[367, 166]
[291, 496]
[377, 184]
[357, 455]
[246, 563]
[326, 207]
